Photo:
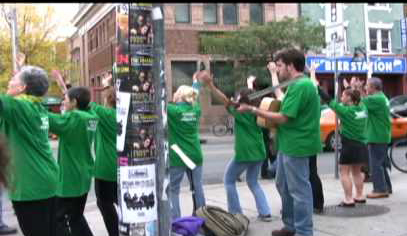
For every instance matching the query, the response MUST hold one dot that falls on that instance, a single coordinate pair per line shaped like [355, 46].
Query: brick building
[92, 45]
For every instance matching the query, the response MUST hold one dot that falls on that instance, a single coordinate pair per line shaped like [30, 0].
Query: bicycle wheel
[219, 130]
[398, 155]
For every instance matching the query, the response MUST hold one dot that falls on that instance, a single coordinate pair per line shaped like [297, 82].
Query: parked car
[398, 123]
[52, 103]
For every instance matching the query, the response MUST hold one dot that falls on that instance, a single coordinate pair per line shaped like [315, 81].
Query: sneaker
[5, 230]
[265, 218]
[282, 232]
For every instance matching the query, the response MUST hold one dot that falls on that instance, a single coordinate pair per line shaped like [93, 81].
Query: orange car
[327, 125]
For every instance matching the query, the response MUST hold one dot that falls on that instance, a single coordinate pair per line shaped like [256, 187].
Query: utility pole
[367, 38]
[143, 178]
[14, 36]
[11, 19]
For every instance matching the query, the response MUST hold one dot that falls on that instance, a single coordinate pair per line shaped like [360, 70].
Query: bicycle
[223, 127]
[398, 155]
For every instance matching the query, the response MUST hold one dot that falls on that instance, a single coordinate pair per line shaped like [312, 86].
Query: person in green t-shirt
[76, 129]
[184, 115]
[298, 138]
[106, 161]
[250, 153]
[354, 154]
[33, 170]
[378, 131]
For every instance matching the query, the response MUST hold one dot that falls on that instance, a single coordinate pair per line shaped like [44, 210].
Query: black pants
[70, 218]
[106, 195]
[316, 184]
[36, 217]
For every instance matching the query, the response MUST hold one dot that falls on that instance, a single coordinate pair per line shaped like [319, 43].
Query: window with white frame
[379, 6]
[380, 40]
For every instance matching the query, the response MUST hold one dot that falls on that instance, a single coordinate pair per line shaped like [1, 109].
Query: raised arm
[313, 75]
[20, 60]
[208, 80]
[274, 79]
[60, 80]
[358, 84]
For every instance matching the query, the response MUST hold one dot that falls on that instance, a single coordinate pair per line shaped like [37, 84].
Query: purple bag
[187, 226]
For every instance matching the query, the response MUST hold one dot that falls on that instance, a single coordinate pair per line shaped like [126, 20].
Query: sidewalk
[392, 223]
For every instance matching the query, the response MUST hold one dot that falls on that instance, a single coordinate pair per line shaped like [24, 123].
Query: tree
[36, 41]
[253, 46]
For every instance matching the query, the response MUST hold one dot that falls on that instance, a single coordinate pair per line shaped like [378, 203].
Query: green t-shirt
[249, 142]
[76, 130]
[378, 127]
[105, 143]
[33, 170]
[183, 130]
[300, 135]
[353, 120]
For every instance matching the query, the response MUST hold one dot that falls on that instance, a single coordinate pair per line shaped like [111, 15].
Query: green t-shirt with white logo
[249, 142]
[105, 143]
[183, 130]
[300, 135]
[353, 120]
[33, 170]
[378, 127]
[76, 130]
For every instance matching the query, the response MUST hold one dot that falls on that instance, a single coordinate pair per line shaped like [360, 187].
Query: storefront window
[222, 71]
[182, 72]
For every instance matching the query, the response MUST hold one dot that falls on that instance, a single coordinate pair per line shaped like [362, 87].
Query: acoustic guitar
[269, 103]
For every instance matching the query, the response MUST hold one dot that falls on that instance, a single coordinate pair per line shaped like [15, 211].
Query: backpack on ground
[222, 223]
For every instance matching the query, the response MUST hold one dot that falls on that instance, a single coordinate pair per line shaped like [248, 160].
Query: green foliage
[36, 41]
[254, 46]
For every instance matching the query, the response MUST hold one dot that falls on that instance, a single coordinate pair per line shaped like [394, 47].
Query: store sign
[379, 65]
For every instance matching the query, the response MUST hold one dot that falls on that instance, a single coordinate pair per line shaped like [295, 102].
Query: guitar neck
[261, 93]
[269, 90]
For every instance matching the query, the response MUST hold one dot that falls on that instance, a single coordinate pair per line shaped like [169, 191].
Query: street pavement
[393, 223]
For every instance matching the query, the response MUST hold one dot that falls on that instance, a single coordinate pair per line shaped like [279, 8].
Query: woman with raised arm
[33, 170]
[352, 114]
[106, 158]
[184, 115]
[250, 153]
[76, 129]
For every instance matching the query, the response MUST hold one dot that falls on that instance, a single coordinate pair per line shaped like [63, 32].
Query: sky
[64, 13]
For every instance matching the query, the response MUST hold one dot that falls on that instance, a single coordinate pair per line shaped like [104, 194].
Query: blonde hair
[187, 94]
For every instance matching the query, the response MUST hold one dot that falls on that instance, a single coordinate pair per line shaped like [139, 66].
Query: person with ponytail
[354, 153]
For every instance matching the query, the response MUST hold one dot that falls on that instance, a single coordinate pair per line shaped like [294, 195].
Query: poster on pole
[122, 113]
[138, 193]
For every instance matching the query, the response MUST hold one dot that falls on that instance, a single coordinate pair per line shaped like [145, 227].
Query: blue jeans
[233, 171]
[379, 174]
[176, 176]
[292, 182]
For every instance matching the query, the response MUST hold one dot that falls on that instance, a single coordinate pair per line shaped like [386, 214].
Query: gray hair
[35, 80]
[376, 83]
